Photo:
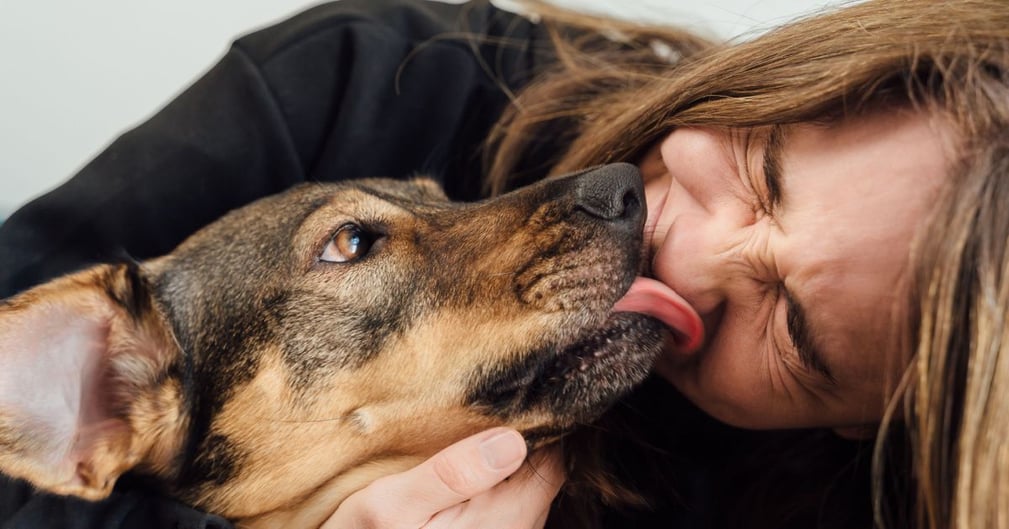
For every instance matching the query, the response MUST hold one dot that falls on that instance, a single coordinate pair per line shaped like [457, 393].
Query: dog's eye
[349, 243]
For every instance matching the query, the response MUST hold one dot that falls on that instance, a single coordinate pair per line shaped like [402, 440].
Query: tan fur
[387, 411]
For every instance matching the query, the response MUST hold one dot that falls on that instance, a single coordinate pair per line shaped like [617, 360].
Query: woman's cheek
[736, 376]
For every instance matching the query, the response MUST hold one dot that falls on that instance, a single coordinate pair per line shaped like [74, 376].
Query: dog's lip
[653, 298]
[600, 346]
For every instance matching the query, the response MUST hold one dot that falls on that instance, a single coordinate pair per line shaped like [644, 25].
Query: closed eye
[803, 341]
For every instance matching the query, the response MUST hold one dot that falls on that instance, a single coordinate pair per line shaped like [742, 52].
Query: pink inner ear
[50, 378]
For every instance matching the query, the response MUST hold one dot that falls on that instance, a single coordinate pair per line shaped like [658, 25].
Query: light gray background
[76, 73]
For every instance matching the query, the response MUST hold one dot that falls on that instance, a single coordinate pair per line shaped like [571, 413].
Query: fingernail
[503, 450]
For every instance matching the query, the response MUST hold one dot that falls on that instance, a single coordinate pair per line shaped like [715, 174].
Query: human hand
[461, 487]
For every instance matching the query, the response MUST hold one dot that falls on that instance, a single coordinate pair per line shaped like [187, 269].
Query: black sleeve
[349, 89]
[21, 509]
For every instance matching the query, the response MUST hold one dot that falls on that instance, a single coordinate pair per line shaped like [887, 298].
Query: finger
[521, 502]
[454, 475]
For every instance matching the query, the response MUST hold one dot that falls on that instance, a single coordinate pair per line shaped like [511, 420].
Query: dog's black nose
[611, 192]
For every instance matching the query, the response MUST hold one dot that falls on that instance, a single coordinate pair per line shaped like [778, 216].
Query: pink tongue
[655, 299]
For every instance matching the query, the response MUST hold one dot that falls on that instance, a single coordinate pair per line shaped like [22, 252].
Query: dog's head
[308, 343]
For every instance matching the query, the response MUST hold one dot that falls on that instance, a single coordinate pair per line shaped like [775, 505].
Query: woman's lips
[653, 298]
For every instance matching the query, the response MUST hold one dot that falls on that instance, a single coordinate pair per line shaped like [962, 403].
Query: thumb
[471, 466]
[452, 476]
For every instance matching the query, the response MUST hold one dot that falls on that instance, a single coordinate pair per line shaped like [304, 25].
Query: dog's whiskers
[299, 421]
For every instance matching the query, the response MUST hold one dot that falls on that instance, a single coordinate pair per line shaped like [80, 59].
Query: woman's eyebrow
[773, 146]
[802, 337]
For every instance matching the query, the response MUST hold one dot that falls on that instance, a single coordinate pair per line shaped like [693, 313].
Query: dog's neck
[314, 509]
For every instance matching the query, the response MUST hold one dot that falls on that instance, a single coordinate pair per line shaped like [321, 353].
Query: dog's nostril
[632, 203]
[610, 192]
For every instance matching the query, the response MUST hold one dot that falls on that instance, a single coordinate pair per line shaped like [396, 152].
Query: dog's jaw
[572, 382]
[587, 377]
[316, 507]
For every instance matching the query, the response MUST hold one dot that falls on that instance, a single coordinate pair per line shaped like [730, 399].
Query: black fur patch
[132, 293]
[321, 333]
[505, 389]
[218, 460]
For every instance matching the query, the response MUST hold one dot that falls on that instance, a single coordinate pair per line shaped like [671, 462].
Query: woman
[824, 229]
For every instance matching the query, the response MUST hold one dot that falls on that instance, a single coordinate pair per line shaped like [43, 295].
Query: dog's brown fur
[256, 381]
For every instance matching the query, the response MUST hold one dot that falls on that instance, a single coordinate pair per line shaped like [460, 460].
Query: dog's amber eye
[349, 243]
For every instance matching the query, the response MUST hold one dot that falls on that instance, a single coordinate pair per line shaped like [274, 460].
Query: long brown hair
[609, 103]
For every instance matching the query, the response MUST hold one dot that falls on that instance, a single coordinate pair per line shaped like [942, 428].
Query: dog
[300, 347]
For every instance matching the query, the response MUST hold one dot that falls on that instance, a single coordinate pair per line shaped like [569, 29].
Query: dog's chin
[583, 379]
[589, 374]
[574, 380]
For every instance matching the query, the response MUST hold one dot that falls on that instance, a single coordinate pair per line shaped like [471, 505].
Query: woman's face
[791, 247]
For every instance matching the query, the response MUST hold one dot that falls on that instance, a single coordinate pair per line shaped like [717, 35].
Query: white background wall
[75, 73]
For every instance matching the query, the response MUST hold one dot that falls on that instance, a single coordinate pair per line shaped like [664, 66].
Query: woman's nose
[703, 215]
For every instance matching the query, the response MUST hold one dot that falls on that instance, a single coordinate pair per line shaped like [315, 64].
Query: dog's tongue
[655, 299]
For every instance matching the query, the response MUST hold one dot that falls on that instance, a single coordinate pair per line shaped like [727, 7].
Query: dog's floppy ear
[84, 391]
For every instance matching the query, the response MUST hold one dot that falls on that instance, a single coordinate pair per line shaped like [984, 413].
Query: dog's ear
[85, 386]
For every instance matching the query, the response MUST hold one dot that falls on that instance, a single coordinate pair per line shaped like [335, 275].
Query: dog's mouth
[587, 376]
[607, 352]
[575, 380]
